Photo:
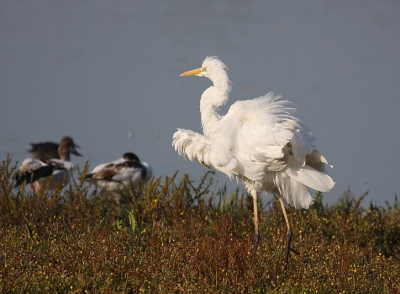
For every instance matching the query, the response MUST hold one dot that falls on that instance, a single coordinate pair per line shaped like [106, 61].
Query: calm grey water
[107, 73]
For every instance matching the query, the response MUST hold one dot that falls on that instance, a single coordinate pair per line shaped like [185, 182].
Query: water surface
[107, 73]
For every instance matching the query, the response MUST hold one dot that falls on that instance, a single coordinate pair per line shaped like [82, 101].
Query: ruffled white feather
[259, 141]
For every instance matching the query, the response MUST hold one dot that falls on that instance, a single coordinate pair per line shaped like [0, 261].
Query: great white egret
[116, 175]
[51, 173]
[49, 150]
[258, 141]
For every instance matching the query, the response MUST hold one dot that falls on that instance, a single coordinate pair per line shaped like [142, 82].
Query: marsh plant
[177, 235]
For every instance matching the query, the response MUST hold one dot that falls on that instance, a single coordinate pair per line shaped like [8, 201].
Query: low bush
[173, 235]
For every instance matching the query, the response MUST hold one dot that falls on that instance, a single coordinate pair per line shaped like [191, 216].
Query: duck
[51, 173]
[49, 150]
[116, 175]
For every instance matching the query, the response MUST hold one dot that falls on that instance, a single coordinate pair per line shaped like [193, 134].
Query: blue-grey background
[107, 74]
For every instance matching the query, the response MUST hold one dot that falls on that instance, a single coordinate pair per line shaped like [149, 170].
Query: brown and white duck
[49, 150]
[51, 173]
[116, 175]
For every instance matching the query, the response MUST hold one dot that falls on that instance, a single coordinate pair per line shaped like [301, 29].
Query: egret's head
[212, 68]
[213, 64]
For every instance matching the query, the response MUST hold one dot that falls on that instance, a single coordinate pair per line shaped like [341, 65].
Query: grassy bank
[176, 236]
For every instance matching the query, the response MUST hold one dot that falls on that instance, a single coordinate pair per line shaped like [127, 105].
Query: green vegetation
[176, 236]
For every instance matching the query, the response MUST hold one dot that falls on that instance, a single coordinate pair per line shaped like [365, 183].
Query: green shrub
[172, 235]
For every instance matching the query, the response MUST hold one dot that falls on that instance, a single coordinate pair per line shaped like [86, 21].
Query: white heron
[52, 172]
[258, 141]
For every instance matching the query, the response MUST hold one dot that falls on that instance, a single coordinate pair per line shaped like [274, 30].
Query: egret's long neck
[212, 98]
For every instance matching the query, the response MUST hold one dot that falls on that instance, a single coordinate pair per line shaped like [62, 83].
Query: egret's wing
[262, 134]
[192, 145]
[301, 144]
[258, 132]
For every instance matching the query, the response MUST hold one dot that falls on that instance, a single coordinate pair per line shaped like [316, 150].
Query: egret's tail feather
[295, 193]
[294, 182]
[312, 178]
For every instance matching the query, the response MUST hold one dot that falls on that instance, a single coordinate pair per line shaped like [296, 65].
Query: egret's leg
[256, 236]
[289, 231]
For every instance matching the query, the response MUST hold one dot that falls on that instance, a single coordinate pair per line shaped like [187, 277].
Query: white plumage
[258, 141]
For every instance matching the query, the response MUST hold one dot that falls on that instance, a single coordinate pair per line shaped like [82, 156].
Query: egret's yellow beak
[192, 72]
